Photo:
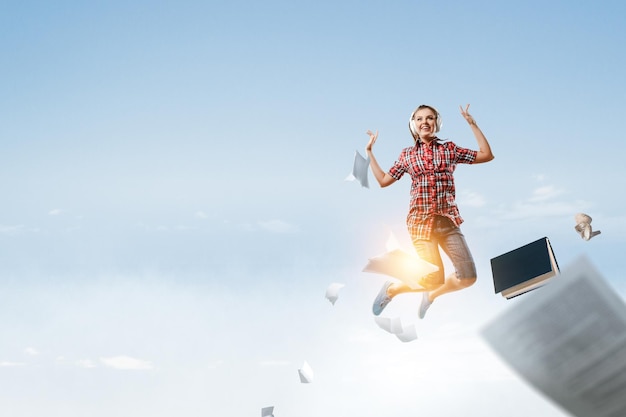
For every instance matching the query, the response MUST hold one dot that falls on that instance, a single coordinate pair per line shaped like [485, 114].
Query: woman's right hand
[373, 137]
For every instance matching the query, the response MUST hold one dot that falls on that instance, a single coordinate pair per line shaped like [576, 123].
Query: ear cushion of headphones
[412, 126]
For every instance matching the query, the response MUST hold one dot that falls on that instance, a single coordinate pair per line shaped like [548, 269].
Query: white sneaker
[424, 305]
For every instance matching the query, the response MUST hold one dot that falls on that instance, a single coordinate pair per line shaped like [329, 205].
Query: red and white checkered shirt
[431, 168]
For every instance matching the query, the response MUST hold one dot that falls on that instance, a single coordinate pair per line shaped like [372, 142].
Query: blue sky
[175, 203]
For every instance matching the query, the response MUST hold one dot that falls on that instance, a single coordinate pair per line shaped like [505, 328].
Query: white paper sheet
[399, 264]
[332, 292]
[359, 170]
[388, 324]
[306, 373]
[395, 327]
[568, 339]
[408, 334]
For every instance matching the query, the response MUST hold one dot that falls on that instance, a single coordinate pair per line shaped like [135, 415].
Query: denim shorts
[448, 236]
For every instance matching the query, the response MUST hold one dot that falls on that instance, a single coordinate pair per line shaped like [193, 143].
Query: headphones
[413, 127]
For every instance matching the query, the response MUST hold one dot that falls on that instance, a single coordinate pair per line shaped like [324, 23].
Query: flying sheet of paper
[399, 264]
[394, 326]
[391, 325]
[332, 292]
[306, 373]
[408, 334]
[267, 412]
[392, 243]
[359, 170]
[568, 339]
[583, 226]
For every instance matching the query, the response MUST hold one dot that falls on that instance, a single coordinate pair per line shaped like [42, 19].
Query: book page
[568, 339]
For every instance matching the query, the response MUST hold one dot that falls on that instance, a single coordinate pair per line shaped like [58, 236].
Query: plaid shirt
[432, 189]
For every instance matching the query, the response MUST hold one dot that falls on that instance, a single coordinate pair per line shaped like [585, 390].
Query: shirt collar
[419, 141]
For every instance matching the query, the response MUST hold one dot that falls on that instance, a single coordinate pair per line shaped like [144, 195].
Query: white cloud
[86, 363]
[278, 226]
[163, 228]
[8, 364]
[31, 351]
[149, 228]
[545, 193]
[525, 210]
[471, 199]
[200, 215]
[542, 203]
[272, 226]
[11, 229]
[246, 227]
[126, 363]
[55, 212]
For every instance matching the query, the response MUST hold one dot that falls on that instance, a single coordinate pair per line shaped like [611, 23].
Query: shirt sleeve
[399, 168]
[464, 155]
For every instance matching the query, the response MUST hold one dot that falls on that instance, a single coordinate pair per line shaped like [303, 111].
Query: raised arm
[484, 150]
[381, 176]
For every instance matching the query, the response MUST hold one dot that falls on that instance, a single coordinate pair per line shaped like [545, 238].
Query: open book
[569, 341]
[524, 269]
